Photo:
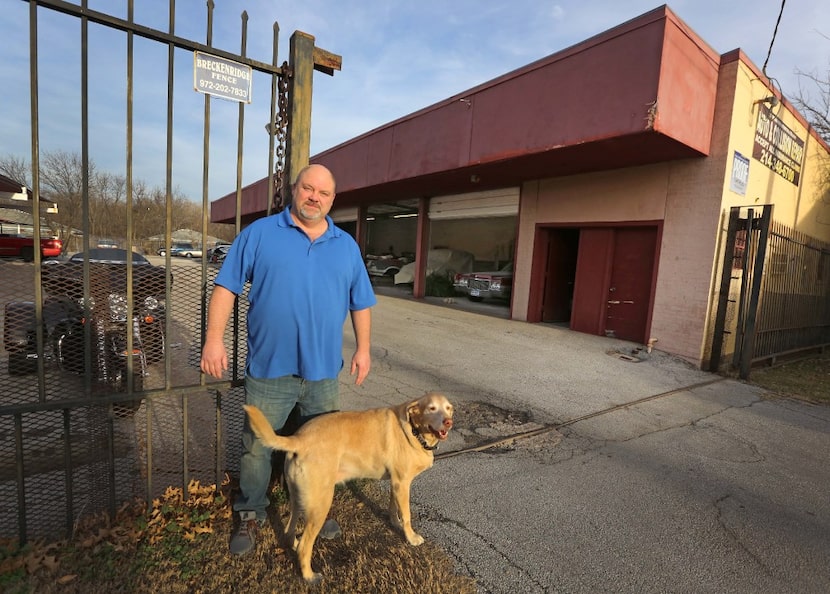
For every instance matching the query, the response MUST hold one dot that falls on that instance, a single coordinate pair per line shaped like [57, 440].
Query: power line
[774, 33]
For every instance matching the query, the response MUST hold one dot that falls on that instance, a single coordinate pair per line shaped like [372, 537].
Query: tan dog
[394, 443]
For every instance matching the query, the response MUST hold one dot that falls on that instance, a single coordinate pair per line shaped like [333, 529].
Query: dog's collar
[421, 438]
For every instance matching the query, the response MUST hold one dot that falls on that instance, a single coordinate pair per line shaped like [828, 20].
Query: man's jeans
[276, 398]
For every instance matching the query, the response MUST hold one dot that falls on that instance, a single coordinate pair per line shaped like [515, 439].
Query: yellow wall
[805, 207]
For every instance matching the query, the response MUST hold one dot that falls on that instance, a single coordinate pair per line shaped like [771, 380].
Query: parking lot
[605, 473]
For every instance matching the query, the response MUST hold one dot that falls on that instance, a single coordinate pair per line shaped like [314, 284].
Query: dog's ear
[413, 409]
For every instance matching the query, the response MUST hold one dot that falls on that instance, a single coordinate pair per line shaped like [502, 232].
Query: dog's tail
[263, 430]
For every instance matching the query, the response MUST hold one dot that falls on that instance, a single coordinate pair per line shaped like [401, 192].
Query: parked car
[67, 311]
[439, 261]
[185, 250]
[23, 246]
[107, 243]
[482, 285]
[217, 254]
[386, 265]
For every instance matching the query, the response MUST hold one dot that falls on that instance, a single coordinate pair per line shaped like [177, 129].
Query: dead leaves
[187, 514]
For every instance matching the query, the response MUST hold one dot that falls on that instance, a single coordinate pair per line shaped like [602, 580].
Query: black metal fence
[774, 296]
[794, 309]
[101, 396]
[73, 442]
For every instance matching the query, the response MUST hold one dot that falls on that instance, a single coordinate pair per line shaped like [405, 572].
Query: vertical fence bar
[129, 173]
[67, 472]
[218, 448]
[33, 102]
[749, 251]
[272, 128]
[85, 197]
[168, 198]
[21, 479]
[111, 460]
[755, 291]
[205, 177]
[725, 286]
[129, 234]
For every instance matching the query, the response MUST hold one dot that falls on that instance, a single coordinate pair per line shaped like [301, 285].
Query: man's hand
[361, 362]
[214, 358]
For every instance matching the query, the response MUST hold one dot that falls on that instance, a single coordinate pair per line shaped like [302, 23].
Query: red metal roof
[642, 92]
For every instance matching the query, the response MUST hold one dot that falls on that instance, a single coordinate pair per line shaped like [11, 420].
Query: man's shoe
[331, 529]
[244, 539]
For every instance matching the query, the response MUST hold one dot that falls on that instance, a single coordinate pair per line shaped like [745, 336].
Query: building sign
[740, 174]
[777, 147]
[217, 76]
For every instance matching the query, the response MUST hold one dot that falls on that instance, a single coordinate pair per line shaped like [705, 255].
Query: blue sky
[398, 57]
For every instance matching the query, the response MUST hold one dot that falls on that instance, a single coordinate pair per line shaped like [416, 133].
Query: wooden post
[304, 59]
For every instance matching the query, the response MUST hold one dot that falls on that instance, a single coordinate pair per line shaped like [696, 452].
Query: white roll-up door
[489, 203]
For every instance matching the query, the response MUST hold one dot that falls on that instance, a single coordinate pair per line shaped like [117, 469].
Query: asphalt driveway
[580, 465]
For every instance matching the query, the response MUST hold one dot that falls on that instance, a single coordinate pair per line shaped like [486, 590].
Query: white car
[385, 265]
[439, 261]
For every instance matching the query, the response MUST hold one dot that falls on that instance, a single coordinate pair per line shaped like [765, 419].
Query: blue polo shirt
[300, 295]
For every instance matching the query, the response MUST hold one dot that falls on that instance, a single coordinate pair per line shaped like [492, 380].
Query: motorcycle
[89, 331]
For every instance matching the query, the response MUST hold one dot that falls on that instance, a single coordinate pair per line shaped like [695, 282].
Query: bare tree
[107, 197]
[61, 181]
[17, 169]
[813, 98]
[813, 101]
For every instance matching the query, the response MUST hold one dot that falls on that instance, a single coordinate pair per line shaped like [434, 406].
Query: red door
[593, 270]
[629, 292]
[614, 278]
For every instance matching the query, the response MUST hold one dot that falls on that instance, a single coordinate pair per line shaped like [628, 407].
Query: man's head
[313, 193]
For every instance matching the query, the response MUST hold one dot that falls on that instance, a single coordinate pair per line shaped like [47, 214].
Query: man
[305, 275]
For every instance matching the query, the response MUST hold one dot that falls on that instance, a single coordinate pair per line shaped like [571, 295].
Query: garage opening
[562, 247]
[597, 279]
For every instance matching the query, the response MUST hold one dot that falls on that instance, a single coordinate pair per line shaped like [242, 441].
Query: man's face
[313, 194]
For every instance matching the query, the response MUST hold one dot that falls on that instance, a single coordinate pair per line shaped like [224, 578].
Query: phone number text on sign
[778, 166]
[223, 90]
[223, 78]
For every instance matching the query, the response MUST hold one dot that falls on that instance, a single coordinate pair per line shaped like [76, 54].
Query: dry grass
[180, 544]
[806, 379]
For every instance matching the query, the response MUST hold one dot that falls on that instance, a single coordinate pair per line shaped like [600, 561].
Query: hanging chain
[281, 133]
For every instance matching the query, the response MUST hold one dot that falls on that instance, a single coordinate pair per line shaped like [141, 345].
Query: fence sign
[223, 78]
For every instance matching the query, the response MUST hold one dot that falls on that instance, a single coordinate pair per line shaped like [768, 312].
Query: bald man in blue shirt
[306, 275]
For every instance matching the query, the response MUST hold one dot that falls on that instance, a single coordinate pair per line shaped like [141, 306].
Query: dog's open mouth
[439, 433]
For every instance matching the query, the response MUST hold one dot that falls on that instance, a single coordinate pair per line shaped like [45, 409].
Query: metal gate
[774, 298]
[102, 397]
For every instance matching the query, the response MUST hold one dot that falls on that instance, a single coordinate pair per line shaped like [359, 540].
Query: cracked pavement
[637, 476]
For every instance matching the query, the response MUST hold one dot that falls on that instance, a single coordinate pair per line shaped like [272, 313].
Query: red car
[482, 285]
[23, 246]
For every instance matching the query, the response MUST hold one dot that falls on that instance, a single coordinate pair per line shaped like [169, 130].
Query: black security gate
[102, 397]
[774, 297]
